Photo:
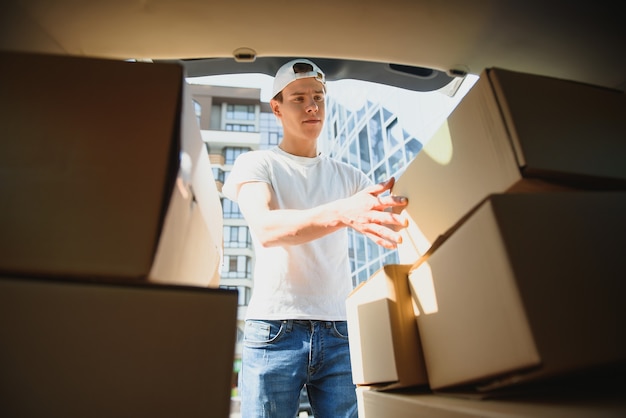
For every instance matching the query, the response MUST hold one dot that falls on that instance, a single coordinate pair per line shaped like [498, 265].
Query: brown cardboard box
[517, 298]
[75, 349]
[512, 125]
[89, 161]
[563, 130]
[374, 404]
[468, 158]
[384, 343]
[190, 245]
[526, 287]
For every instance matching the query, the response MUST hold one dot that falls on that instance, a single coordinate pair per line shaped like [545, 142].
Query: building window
[394, 133]
[238, 127]
[198, 110]
[237, 236]
[376, 138]
[364, 149]
[271, 130]
[237, 266]
[240, 112]
[231, 154]
[218, 174]
[231, 210]
[412, 148]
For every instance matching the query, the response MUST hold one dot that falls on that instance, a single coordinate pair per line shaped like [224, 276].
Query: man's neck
[301, 148]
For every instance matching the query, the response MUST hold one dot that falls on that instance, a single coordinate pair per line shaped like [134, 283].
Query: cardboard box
[75, 349]
[385, 349]
[468, 158]
[373, 404]
[89, 162]
[526, 287]
[563, 130]
[512, 125]
[190, 247]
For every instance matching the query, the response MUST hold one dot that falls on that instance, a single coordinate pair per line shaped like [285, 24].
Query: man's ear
[275, 105]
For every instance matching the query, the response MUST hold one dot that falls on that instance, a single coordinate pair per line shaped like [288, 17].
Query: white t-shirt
[310, 280]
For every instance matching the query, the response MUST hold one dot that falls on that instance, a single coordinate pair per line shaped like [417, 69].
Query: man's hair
[278, 97]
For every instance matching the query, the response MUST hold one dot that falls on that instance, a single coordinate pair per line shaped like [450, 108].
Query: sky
[419, 113]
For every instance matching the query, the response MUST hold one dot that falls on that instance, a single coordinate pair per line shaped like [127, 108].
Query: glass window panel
[364, 150]
[394, 134]
[376, 137]
[360, 114]
[350, 122]
[361, 255]
[381, 174]
[387, 114]
[396, 161]
[412, 148]
[231, 153]
[240, 112]
[391, 257]
[232, 264]
[230, 209]
[363, 275]
[354, 154]
[238, 127]
[373, 250]
[197, 107]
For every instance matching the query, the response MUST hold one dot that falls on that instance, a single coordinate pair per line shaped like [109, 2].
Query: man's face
[302, 110]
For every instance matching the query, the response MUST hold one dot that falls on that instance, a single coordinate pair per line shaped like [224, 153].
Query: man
[298, 205]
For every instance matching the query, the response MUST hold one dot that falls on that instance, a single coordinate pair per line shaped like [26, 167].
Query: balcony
[216, 159]
[220, 139]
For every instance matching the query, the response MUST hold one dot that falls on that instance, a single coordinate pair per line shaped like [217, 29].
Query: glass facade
[371, 139]
[380, 130]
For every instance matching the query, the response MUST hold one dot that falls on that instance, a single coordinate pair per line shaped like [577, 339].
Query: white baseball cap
[294, 70]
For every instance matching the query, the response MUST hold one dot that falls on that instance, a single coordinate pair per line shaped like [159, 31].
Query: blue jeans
[280, 357]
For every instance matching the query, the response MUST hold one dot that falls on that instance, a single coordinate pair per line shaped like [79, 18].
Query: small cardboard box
[525, 287]
[90, 159]
[385, 349]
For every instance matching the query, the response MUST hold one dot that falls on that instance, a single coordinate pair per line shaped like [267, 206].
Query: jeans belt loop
[288, 324]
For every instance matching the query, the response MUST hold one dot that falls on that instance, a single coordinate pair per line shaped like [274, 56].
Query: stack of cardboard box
[110, 243]
[104, 173]
[511, 273]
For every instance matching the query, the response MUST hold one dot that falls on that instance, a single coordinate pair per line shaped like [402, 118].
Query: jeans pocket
[258, 333]
[340, 328]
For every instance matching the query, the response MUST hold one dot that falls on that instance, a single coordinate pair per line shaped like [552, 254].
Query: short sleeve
[248, 167]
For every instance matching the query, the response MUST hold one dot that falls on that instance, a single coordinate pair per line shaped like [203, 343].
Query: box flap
[560, 128]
